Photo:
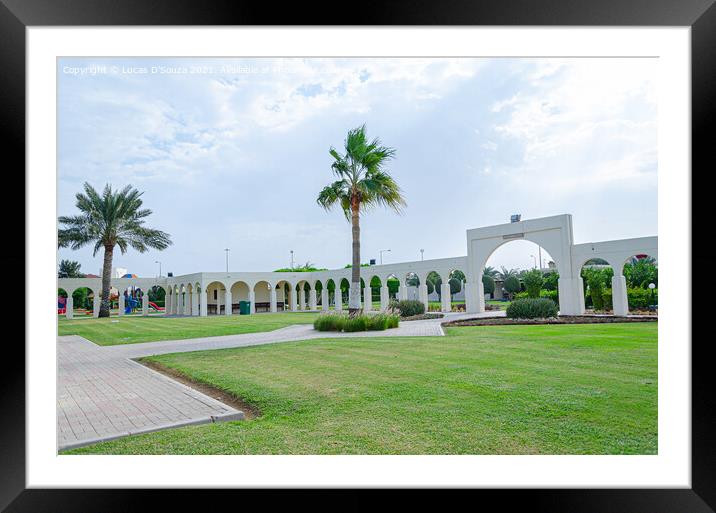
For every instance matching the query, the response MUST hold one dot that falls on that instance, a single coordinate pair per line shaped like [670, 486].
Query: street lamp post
[160, 267]
[535, 259]
[652, 287]
[381, 255]
[421, 254]
[291, 259]
[227, 259]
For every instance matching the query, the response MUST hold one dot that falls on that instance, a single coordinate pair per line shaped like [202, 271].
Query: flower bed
[563, 319]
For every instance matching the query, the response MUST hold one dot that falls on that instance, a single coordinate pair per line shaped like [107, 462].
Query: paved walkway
[102, 394]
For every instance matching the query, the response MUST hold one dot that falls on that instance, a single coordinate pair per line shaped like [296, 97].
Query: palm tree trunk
[106, 281]
[354, 298]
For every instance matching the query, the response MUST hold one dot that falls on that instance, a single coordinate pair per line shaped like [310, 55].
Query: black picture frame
[700, 15]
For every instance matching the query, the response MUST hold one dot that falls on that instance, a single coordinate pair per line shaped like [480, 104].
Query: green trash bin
[244, 307]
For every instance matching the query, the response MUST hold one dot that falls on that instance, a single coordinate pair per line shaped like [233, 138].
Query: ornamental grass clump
[329, 322]
[532, 308]
[345, 323]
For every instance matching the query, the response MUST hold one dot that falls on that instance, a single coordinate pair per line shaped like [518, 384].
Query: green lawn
[133, 329]
[570, 389]
[501, 304]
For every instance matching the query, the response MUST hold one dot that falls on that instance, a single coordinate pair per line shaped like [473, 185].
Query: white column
[168, 303]
[474, 297]
[227, 301]
[69, 306]
[195, 302]
[445, 297]
[312, 299]
[384, 297]
[187, 302]
[324, 298]
[620, 301]
[95, 304]
[252, 300]
[145, 304]
[121, 302]
[571, 296]
[292, 300]
[274, 308]
[301, 298]
[338, 299]
[402, 292]
[180, 303]
[204, 302]
[218, 302]
[423, 295]
[367, 299]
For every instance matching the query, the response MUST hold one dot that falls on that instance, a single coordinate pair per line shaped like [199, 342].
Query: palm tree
[114, 218]
[490, 271]
[69, 269]
[505, 273]
[362, 184]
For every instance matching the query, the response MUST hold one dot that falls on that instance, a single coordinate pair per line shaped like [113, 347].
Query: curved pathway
[102, 394]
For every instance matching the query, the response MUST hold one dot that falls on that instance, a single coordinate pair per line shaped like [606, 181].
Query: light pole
[421, 254]
[535, 259]
[652, 287]
[381, 255]
[227, 259]
[291, 259]
[160, 267]
[539, 248]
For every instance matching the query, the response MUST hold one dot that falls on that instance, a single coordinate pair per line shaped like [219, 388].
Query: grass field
[133, 329]
[574, 389]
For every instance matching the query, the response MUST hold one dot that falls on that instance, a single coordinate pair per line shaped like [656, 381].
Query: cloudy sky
[231, 153]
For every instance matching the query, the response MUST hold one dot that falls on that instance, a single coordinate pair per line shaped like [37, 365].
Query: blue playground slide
[130, 305]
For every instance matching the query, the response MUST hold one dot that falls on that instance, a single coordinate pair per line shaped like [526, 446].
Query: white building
[204, 293]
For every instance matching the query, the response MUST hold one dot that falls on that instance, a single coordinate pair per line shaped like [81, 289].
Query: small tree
[512, 284]
[488, 284]
[533, 282]
[551, 280]
[69, 269]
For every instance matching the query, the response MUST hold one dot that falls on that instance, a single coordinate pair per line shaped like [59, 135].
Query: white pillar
[571, 296]
[195, 295]
[292, 300]
[324, 298]
[187, 302]
[402, 292]
[121, 302]
[252, 301]
[338, 299]
[218, 301]
[445, 297]
[69, 306]
[474, 297]
[620, 301]
[423, 295]
[145, 304]
[228, 301]
[367, 299]
[95, 304]
[312, 299]
[272, 300]
[384, 297]
[301, 298]
[203, 303]
[168, 303]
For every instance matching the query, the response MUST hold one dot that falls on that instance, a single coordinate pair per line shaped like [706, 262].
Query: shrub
[551, 280]
[329, 322]
[642, 298]
[357, 323]
[381, 322]
[607, 299]
[488, 284]
[533, 282]
[549, 294]
[410, 307]
[532, 308]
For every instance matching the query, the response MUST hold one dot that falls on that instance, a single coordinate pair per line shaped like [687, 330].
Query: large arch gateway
[212, 293]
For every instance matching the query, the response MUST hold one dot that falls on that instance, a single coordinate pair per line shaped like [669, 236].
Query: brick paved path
[102, 394]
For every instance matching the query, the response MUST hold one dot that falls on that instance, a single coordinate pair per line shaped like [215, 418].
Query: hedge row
[639, 299]
[532, 308]
[549, 294]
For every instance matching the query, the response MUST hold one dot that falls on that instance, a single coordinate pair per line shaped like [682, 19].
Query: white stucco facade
[209, 293]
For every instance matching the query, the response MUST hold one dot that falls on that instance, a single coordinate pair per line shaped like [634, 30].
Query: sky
[232, 153]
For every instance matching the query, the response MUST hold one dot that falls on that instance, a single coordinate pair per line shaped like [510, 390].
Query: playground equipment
[156, 307]
[61, 305]
[131, 304]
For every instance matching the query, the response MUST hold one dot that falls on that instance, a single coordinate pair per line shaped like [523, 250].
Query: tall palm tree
[114, 218]
[505, 273]
[490, 272]
[362, 184]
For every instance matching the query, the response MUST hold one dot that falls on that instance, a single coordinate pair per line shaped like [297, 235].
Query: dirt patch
[564, 319]
[250, 412]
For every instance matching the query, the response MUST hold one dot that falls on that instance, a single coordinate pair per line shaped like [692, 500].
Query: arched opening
[215, 298]
[597, 276]
[332, 295]
[641, 277]
[262, 297]
[516, 266]
[434, 283]
[83, 301]
[303, 288]
[239, 292]
[345, 287]
[372, 302]
[318, 288]
[62, 302]
[457, 280]
[393, 284]
[157, 299]
[284, 294]
[412, 282]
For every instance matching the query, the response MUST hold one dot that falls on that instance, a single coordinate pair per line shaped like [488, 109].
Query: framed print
[417, 251]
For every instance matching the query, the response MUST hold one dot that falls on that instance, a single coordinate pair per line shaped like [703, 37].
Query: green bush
[341, 322]
[532, 308]
[410, 307]
[512, 284]
[549, 294]
[642, 298]
[533, 282]
[357, 323]
[488, 284]
[607, 299]
[381, 322]
[330, 322]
